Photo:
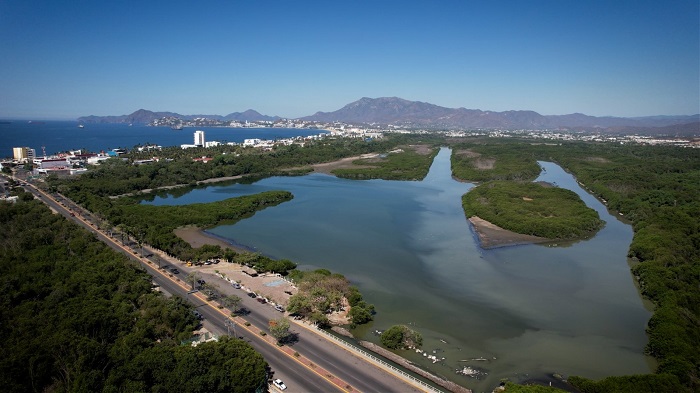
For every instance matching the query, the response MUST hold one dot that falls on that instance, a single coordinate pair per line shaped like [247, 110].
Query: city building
[23, 154]
[54, 164]
[199, 138]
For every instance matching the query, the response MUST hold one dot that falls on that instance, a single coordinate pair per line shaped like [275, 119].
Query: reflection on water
[517, 312]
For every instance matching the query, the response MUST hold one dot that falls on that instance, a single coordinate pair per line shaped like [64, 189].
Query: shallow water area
[517, 312]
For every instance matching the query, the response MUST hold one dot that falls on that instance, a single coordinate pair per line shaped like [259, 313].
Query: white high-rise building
[199, 138]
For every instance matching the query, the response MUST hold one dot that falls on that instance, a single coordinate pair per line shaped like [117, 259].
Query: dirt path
[344, 163]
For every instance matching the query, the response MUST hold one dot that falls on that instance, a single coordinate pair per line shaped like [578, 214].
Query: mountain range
[143, 116]
[397, 111]
[416, 114]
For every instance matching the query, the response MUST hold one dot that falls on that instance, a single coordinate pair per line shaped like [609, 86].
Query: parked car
[252, 294]
[261, 300]
[174, 271]
[236, 285]
[279, 308]
[279, 384]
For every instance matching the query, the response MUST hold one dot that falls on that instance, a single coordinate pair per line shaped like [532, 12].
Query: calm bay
[60, 136]
[521, 312]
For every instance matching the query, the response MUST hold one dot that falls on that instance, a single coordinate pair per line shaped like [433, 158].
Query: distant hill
[140, 116]
[249, 115]
[143, 116]
[675, 130]
[397, 111]
[416, 114]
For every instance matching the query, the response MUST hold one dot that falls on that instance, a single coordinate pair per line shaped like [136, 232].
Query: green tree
[211, 290]
[401, 337]
[231, 301]
[279, 329]
[361, 313]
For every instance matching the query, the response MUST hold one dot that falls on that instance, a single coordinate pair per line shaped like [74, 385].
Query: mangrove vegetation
[405, 163]
[532, 209]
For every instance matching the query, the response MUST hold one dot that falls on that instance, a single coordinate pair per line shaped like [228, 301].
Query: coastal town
[75, 161]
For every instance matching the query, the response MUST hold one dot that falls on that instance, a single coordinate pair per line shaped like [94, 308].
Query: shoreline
[492, 236]
[198, 237]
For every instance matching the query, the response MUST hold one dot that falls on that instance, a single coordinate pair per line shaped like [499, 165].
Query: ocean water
[59, 136]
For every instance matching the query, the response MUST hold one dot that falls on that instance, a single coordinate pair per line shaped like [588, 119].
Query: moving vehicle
[279, 384]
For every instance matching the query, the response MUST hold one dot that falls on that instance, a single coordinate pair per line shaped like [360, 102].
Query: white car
[279, 384]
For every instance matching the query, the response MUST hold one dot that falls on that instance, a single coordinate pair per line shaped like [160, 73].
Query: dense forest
[485, 160]
[77, 316]
[657, 188]
[532, 209]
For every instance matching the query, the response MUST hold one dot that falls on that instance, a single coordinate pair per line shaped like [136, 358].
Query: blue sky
[64, 59]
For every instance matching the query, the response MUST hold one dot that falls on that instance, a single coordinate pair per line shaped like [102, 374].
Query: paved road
[354, 370]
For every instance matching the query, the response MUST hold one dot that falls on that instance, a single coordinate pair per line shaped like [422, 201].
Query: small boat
[81, 126]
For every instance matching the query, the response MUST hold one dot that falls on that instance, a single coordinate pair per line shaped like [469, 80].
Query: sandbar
[196, 237]
[493, 236]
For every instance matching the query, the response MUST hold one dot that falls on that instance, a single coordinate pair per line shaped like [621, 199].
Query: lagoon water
[521, 312]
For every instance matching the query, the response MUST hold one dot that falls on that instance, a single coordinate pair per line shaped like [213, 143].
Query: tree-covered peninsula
[532, 209]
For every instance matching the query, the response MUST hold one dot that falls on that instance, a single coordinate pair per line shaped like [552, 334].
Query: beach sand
[492, 236]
